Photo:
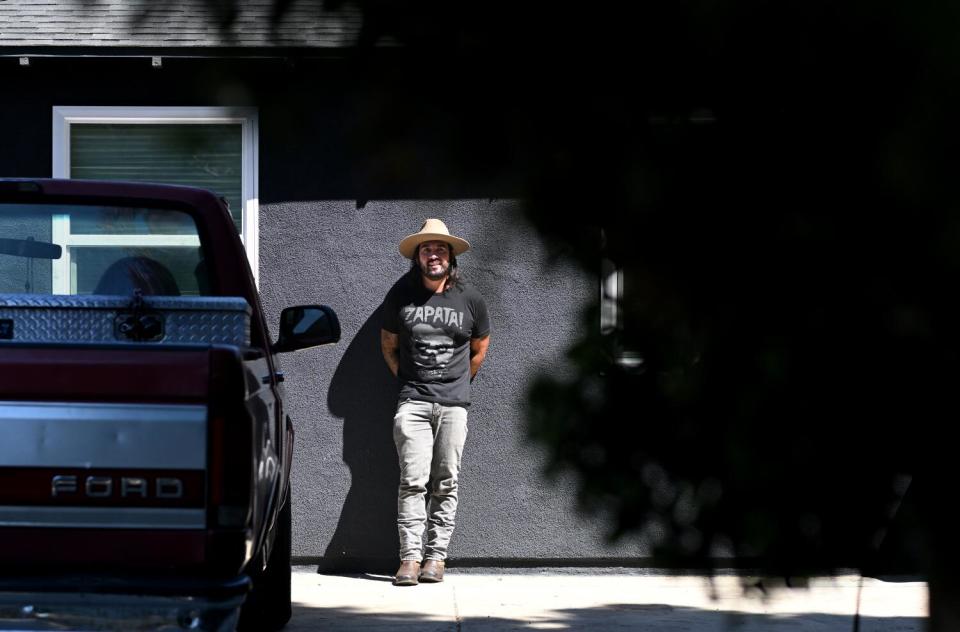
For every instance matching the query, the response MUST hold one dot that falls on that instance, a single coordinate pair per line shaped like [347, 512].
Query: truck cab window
[78, 249]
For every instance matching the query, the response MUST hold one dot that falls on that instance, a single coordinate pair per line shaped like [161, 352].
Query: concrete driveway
[612, 599]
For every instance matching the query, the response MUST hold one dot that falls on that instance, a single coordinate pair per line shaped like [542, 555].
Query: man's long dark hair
[454, 278]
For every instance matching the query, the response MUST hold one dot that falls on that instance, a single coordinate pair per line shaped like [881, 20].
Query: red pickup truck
[144, 448]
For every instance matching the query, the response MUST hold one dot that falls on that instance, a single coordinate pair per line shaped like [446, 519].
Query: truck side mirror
[305, 326]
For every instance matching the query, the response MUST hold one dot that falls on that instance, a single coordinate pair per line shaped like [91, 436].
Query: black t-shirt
[434, 335]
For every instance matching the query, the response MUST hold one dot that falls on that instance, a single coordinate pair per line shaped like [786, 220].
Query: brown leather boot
[432, 571]
[407, 573]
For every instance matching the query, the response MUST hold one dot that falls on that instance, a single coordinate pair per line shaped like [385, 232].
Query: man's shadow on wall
[364, 394]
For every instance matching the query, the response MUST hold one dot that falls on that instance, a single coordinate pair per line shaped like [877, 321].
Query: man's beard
[425, 270]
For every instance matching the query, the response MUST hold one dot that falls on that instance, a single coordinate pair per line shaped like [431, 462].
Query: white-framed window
[211, 147]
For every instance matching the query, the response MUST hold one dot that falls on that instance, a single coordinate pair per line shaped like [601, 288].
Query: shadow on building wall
[364, 394]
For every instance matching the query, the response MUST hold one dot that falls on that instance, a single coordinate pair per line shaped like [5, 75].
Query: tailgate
[104, 455]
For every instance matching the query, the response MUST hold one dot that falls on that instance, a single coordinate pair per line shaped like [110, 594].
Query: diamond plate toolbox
[94, 319]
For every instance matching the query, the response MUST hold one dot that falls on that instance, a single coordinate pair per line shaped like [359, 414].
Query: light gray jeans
[429, 440]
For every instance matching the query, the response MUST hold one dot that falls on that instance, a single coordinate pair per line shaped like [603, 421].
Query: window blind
[200, 155]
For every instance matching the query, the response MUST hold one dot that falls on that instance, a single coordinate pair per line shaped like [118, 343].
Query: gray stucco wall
[342, 398]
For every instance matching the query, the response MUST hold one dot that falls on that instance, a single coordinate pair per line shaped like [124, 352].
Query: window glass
[93, 269]
[158, 251]
[131, 221]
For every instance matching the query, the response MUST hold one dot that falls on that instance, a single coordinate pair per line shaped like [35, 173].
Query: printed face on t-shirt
[436, 331]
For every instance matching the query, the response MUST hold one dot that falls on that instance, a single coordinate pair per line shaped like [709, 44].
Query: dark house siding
[335, 198]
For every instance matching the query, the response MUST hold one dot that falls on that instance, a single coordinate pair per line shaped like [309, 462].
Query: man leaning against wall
[434, 337]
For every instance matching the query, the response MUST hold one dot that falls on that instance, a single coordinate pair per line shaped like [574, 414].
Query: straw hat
[432, 230]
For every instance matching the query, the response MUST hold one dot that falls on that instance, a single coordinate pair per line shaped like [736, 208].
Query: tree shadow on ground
[616, 616]
[364, 394]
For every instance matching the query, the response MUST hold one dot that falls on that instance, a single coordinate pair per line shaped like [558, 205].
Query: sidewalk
[627, 599]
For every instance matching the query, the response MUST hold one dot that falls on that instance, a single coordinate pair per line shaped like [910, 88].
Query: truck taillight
[230, 435]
